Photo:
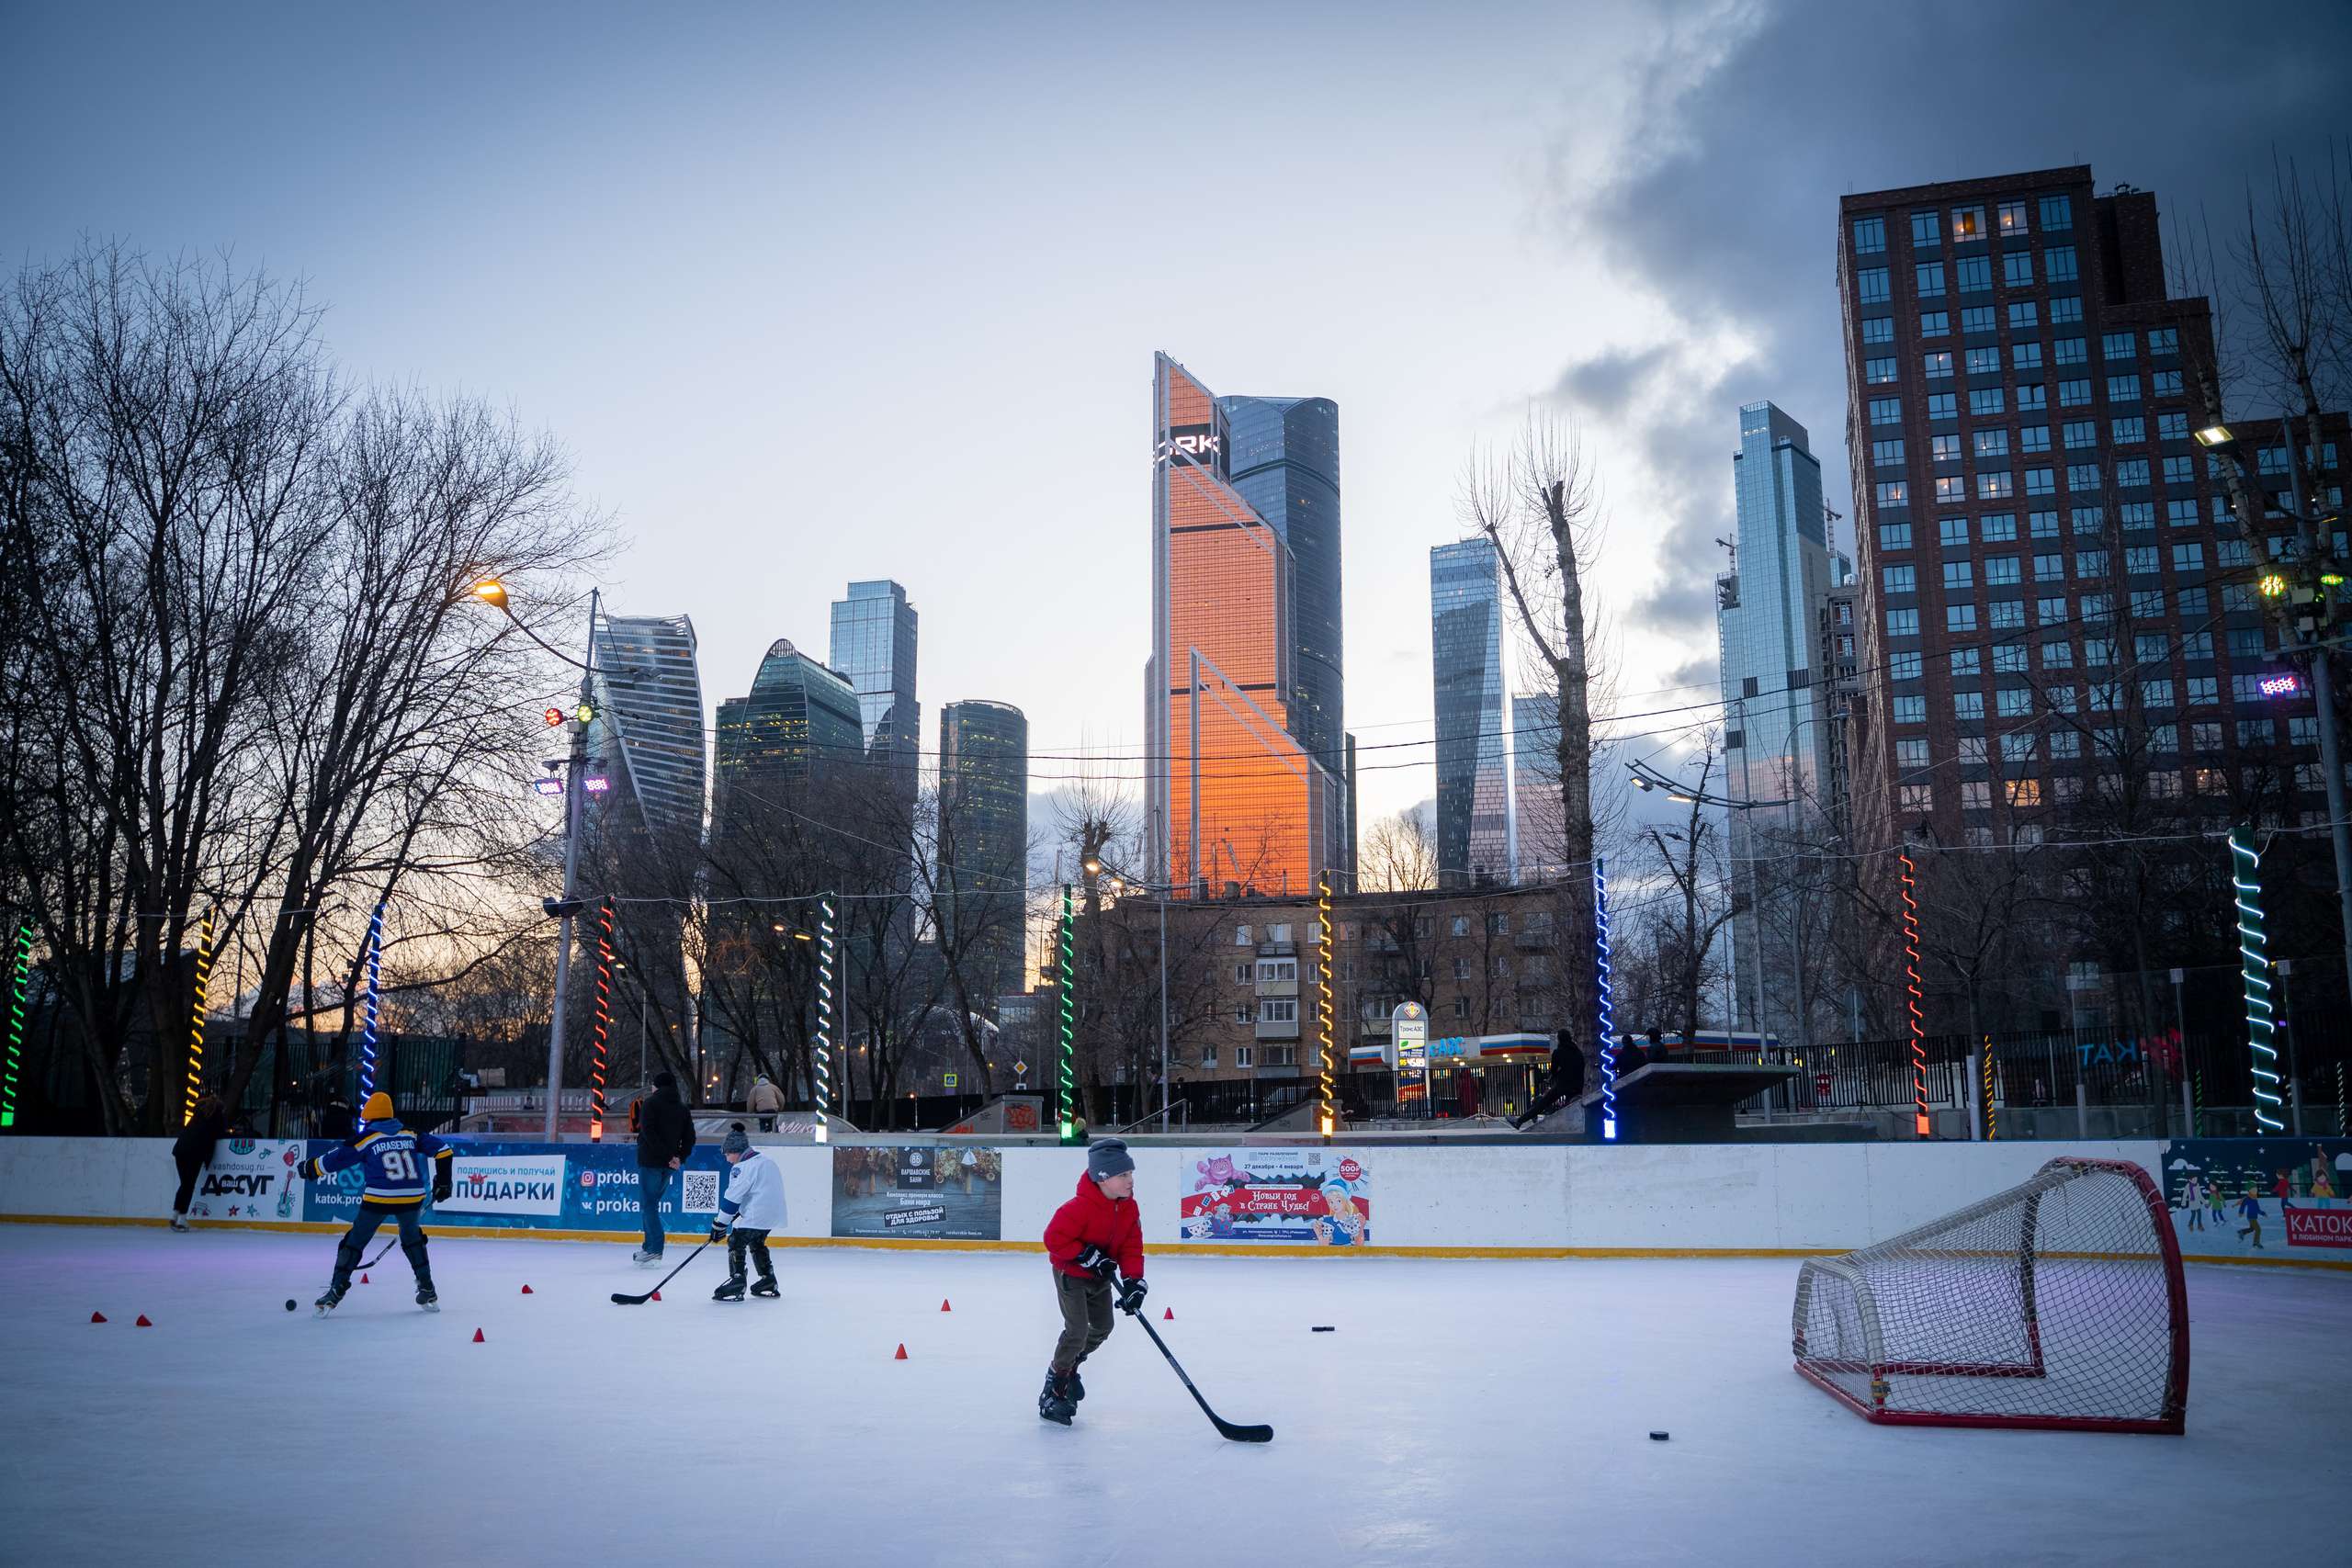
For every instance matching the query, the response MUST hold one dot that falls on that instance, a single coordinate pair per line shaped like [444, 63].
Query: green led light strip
[20, 976]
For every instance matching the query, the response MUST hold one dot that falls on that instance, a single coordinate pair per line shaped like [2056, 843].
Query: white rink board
[1448, 1196]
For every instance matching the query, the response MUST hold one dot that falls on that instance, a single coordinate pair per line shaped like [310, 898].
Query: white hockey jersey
[754, 1194]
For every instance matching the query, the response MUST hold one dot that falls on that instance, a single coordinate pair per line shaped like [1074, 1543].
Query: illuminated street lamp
[2215, 435]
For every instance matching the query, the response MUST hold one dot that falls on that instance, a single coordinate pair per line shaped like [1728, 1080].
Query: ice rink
[1462, 1412]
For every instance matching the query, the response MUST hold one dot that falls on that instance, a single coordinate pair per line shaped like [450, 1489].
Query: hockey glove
[718, 1230]
[444, 1183]
[308, 1169]
[1097, 1262]
[1131, 1295]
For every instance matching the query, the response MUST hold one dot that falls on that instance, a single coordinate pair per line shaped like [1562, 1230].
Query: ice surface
[1464, 1413]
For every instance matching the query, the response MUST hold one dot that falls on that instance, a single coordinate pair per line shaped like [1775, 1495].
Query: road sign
[1020, 1069]
[951, 1080]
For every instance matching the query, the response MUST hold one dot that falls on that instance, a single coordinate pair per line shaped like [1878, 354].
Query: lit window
[1967, 223]
[1951, 488]
[1944, 448]
[2024, 792]
[1937, 366]
[1984, 362]
[1894, 493]
[1877, 371]
[1994, 486]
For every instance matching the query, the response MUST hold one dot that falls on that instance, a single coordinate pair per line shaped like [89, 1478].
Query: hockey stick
[1224, 1426]
[620, 1300]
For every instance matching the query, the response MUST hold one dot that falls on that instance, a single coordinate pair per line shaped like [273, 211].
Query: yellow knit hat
[378, 1109]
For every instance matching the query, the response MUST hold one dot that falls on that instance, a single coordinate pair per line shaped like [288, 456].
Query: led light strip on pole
[196, 1024]
[824, 1012]
[1323, 998]
[20, 969]
[1922, 1124]
[604, 1021]
[1991, 1126]
[2253, 954]
[375, 987]
[1606, 991]
[1065, 976]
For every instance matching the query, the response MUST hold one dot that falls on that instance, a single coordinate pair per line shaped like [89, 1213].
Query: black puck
[1323, 1328]
[1657, 1437]
[289, 1303]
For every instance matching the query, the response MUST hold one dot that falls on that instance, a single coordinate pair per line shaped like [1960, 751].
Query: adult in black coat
[665, 1137]
[1564, 1082]
[192, 1150]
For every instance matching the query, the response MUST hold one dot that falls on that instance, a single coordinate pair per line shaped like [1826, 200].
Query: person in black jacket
[1567, 1080]
[192, 1150]
[665, 1137]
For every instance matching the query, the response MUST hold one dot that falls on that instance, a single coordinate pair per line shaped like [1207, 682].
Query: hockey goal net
[2057, 1304]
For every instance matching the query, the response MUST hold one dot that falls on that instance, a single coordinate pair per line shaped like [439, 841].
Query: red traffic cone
[901, 1355]
[478, 1338]
[1169, 1315]
[364, 1279]
[526, 1289]
[657, 1295]
[943, 1303]
[97, 1317]
[142, 1322]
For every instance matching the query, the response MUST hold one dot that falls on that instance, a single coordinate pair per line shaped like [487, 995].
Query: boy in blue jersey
[395, 1160]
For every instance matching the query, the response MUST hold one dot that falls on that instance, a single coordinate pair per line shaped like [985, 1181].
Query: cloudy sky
[824, 293]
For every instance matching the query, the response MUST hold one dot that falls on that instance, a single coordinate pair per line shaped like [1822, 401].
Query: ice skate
[179, 1223]
[766, 1290]
[1056, 1403]
[426, 1298]
[731, 1290]
[645, 1259]
[326, 1303]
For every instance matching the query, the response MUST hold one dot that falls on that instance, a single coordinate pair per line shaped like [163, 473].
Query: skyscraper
[649, 721]
[1767, 629]
[984, 841]
[799, 719]
[1540, 815]
[1477, 831]
[874, 646]
[1234, 794]
[1284, 462]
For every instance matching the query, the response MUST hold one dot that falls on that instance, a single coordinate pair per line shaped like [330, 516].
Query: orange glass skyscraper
[1233, 795]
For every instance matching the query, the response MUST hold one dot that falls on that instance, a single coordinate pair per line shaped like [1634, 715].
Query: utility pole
[2330, 749]
[563, 907]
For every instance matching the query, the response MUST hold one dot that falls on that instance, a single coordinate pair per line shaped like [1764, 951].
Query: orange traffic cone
[901, 1355]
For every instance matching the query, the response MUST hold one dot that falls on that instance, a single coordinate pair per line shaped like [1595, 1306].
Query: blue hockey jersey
[395, 1159]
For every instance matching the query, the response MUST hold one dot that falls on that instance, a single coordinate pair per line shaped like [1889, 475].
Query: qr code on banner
[698, 1193]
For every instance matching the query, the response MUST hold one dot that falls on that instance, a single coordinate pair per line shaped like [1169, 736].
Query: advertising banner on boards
[2280, 1196]
[1296, 1197]
[937, 1192]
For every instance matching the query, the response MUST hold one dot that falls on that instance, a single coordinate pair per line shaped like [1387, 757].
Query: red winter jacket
[1091, 1220]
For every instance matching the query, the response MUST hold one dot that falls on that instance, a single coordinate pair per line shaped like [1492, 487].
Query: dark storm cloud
[1732, 225]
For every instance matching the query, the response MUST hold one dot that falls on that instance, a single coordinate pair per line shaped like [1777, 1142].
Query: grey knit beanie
[1107, 1158]
[736, 1143]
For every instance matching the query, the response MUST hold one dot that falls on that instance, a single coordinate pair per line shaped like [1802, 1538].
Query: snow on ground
[1464, 1413]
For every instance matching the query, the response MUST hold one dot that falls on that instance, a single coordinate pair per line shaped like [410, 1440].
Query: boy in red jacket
[1097, 1234]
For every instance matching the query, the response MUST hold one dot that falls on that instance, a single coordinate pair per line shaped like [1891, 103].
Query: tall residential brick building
[2057, 612]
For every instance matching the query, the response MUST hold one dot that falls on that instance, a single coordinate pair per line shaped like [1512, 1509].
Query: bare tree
[1399, 855]
[1684, 938]
[1539, 506]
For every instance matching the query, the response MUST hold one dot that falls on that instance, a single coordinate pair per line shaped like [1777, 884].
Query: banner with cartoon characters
[533, 1186]
[937, 1192]
[1315, 1197]
[2275, 1196]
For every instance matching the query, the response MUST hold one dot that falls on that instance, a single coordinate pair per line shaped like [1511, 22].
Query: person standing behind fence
[1566, 1082]
[665, 1137]
[764, 1100]
[192, 1150]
